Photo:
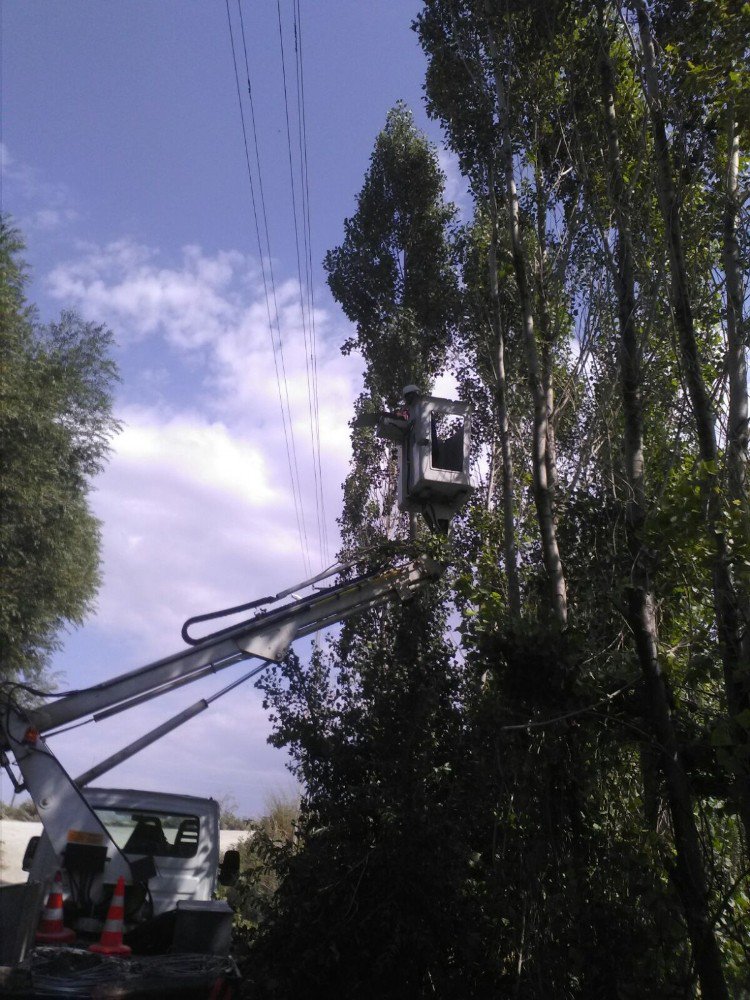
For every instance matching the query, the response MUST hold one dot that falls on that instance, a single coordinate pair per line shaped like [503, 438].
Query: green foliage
[55, 425]
[229, 819]
[252, 895]
[26, 812]
[488, 806]
[376, 737]
[392, 274]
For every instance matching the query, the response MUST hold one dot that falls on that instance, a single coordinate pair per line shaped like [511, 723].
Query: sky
[123, 164]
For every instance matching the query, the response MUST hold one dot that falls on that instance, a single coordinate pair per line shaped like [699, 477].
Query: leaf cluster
[56, 422]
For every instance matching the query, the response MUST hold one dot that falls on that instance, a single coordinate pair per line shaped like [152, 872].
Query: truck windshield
[164, 835]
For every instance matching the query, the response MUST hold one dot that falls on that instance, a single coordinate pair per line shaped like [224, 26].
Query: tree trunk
[737, 420]
[691, 881]
[545, 330]
[737, 426]
[509, 525]
[680, 292]
[729, 621]
[542, 492]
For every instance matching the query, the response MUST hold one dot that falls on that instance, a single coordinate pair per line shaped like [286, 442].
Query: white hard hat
[410, 390]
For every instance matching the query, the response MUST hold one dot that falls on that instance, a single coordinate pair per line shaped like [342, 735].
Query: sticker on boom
[84, 837]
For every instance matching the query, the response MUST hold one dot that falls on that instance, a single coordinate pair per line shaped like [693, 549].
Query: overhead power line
[277, 348]
[302, 119]
[305, 280]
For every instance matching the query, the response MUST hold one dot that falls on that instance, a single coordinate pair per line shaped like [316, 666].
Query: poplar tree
[596, 797]
[392, 274]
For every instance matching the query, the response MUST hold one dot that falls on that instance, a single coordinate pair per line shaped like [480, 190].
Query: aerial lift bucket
[433, 436]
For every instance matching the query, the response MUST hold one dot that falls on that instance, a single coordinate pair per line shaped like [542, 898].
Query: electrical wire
[273, 285]
[300, 205]
[280, 369]
[73, 972]
[307, 230]
[304, 307]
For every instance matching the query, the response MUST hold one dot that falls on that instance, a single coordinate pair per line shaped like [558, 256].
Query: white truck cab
[171, 841]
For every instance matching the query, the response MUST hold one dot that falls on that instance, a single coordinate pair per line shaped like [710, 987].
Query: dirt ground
[14, 836]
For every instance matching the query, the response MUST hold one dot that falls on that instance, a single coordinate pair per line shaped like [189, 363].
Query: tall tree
[477, 54]
[480, 349]
[393, 275]
[56, 422]
[587, 770]
[729, 602]
[374, 727]
[641, 602]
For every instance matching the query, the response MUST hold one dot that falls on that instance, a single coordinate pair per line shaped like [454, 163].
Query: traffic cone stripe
[110, 942]
[51, 928]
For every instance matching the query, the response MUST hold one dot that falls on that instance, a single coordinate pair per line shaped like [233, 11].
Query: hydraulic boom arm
[267, 636]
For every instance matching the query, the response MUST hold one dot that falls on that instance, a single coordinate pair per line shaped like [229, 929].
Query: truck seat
[147, 838]
[186, 841]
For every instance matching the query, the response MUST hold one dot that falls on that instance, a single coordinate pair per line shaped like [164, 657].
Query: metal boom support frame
[267, 636]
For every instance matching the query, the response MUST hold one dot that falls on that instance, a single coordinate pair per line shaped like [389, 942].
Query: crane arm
[433, 478]
[337, 604]
[267, 636]
[66, 815]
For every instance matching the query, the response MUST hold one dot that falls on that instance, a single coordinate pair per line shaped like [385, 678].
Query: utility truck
[165, 847]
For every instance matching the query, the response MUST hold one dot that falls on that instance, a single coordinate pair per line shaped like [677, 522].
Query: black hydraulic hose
[273, 613]
[223, 613]
[259, 602]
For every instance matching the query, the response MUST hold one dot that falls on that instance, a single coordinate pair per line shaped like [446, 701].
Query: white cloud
[48, 219]
[193, 452]
[196, 503]
[37, 203]
[123, 285]
[191, 522]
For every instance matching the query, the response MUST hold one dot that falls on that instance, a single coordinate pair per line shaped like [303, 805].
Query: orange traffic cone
[221, 990]
[51, 928]
[111, 939]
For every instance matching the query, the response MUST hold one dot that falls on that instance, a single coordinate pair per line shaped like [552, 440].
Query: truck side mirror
[229, 868]
[28, 854]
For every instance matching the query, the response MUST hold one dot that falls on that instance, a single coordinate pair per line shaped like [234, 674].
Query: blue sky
[124, 166]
